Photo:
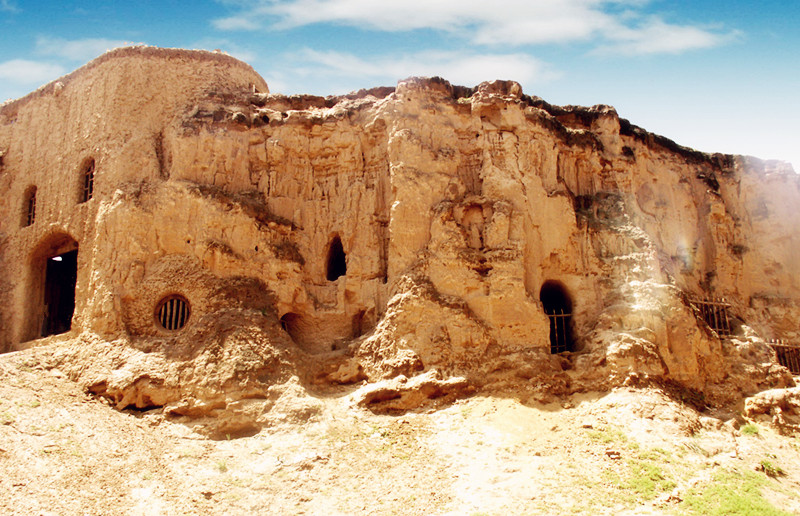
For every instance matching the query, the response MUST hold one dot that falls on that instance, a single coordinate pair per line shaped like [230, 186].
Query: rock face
[241, 253]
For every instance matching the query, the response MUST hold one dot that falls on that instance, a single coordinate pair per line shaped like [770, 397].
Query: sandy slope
[624, 452]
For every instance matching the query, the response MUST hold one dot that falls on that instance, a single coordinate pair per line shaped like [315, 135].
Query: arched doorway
[557, 305]
[54, 274]
[61, 274]
[337, 260]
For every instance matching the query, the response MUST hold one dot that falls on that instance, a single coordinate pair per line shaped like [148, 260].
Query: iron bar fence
[788, 354]
[560, 337]
[716, 314]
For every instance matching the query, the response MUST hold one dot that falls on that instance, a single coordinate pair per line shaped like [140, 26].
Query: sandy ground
[623, 452]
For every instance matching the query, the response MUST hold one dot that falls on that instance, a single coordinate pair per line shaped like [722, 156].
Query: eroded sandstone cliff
[396, 244]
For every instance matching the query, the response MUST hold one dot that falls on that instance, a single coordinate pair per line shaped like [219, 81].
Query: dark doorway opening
[558, 307]
[61, 274]
[291, 322]
[337, 260]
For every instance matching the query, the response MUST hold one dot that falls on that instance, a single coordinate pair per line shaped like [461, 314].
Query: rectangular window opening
[31, 218]
[88, 183]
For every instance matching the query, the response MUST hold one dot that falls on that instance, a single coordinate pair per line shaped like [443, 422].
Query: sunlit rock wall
[393, 231]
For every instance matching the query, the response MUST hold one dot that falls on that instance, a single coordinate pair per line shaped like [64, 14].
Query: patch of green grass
[222, 466]
[7, 419]
[770, 469]
[730, 493]
[749, 429]
[611, 477]
[647, 479]
[657, 454]
[640, 477]
[607, 435]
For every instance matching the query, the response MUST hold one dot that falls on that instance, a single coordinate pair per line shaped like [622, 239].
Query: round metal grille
[172, 312]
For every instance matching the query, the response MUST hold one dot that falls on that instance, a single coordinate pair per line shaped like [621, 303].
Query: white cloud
[507, 21]
[336, 72]
[29, 73]
[387, 16]
[546, 23]
[236, 23]
[77, 49]
[657, 37]
[8, 6]
[552, 20]
[613, 25]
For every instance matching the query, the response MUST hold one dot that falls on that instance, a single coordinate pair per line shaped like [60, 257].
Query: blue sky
[719, 76]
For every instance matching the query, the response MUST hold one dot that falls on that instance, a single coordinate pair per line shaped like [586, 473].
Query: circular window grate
[172, 313]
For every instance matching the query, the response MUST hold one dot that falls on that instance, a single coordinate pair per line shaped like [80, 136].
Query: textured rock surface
[453, 207]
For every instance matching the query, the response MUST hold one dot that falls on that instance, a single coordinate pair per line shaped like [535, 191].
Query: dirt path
[624, 452]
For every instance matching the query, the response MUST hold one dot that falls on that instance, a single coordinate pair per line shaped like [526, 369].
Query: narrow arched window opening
[337, 260]
[87, 188]
[29, 207]
[558, 307]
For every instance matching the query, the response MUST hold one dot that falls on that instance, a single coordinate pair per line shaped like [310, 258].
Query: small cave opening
[557, 305]
[291, 324]
[61, 273]
[337, 260]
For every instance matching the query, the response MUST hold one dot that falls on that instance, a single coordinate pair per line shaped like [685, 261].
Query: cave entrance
[337, 260]
[291, 322]
[61, 273]
[557, 305]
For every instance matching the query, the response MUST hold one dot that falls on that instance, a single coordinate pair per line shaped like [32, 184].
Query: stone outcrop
[416, 239]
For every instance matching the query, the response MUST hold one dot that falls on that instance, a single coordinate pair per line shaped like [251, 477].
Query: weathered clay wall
[115, 110]
[454, 208]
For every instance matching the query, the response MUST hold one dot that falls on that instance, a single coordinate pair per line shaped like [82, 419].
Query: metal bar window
[172, 313]
[716, 314]
[788, 355]
[88, 182]
[31, 218]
